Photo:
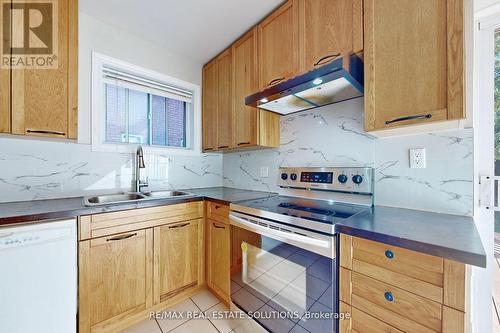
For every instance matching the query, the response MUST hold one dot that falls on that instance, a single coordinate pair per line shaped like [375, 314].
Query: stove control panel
[359, 180]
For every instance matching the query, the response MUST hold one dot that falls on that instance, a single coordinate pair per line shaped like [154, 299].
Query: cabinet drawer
[406, 262]
[99, 225]
[362, 323]
[405, 282]
[218, 212]
[397, 307]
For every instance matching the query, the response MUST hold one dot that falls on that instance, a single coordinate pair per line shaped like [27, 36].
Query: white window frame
[98, 121]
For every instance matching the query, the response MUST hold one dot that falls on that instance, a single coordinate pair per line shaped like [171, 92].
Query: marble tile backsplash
[327, 136]
[334, 136]
[34, 169]
[444, 186]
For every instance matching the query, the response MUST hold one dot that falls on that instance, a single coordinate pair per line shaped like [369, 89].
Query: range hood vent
[340, 80]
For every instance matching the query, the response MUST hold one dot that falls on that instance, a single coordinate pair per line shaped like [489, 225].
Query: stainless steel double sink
[132, 197]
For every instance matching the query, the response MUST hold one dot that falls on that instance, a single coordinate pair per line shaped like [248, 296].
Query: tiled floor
[212, 323]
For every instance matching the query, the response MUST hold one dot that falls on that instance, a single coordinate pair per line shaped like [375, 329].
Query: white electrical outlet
[417, 158]
[264, 172]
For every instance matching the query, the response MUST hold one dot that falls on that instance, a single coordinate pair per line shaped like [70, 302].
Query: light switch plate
[264, 172]
[417, 158]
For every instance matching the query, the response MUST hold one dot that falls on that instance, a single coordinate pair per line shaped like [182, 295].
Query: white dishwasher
[38, 278]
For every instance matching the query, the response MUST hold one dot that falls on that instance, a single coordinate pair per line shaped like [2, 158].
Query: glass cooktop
[315, 210]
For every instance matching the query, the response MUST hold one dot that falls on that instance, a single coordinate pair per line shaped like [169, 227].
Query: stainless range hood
[340, 80]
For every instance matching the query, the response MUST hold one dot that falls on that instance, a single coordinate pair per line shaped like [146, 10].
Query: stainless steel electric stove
[283, 247]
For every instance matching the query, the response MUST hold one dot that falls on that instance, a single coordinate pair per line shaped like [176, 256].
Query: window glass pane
[138, 105]
[139, 117]
[159, 121]
[176, 123]
[116, 116]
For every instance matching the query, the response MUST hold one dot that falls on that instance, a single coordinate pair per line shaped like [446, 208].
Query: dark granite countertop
[229, 195]
[448, 236]
[38, 210]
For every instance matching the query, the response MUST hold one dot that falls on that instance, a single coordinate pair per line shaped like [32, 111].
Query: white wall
[97, 36]
[482, 4]
[41, 169]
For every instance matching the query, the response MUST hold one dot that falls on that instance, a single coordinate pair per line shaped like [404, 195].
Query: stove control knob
[343, 179]
[284, 176]
[293, 176]
[357, 179]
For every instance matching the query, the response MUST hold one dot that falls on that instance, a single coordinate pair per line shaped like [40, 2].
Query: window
[138, 117]
[134, 106]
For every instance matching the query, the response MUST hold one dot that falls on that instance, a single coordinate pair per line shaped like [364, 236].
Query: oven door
[283, 276]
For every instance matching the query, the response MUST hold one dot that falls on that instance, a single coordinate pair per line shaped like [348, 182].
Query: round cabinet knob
[342, 179]
[284, 176]
[389, 254]
[388, 296]
[357, 179]
[293, 176]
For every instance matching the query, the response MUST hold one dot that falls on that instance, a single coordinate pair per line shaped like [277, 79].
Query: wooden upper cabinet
[328, 28]
[176, 258]
[224, 100]
[414, 62]
[279, 45]
[4, 100]
[210, 106]
[245, 83]
[44, 101]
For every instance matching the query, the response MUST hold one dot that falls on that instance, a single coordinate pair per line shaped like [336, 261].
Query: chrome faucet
[139, 164]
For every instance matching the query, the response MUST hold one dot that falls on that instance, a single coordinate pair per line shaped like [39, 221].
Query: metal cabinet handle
[388, 296]
[275, 81]
[329, 57]
[179, 226]
[122, 237]
[243, 143]
[420, 116]
[389, 254]
[221, 147]
[46, 132]
[208, 149]
[217, 226]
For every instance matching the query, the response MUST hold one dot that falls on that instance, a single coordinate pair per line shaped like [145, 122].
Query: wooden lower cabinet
[386, 288]
[218, 258]
[115, 278]
[176, 258]
[123, 276]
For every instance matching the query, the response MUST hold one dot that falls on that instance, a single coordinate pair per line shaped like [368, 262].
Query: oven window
[280, 285]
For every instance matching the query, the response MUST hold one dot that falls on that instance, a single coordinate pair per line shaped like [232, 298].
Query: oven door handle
[283, 236]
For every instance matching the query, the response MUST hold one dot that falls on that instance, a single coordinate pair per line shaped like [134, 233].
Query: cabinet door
[328, 28]
[278, 45]
[210, 106]
[413, 62]
[4, 100]
[245, 83]
[44, 100]
[115, 274]
[218, 257]
[176, 258]
[224, 100]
